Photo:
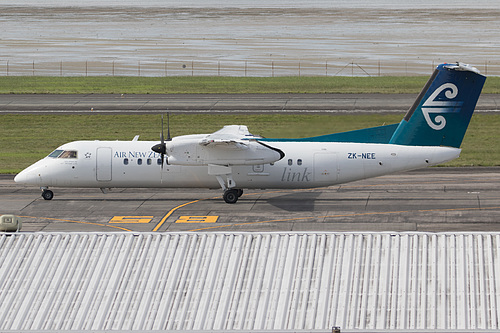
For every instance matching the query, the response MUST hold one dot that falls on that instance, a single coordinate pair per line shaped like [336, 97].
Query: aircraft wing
[236, 144]
[230, 137]
[231, 145]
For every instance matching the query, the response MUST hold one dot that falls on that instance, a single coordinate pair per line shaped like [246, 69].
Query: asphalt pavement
[219, 103]
[427, 200]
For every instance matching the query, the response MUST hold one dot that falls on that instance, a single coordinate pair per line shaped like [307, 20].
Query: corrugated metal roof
[249, 281]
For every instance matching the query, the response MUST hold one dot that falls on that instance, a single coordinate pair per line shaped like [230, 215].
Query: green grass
[28, 138]
[204, 84]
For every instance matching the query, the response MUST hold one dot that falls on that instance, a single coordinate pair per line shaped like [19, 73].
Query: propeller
[169, 138]
[161, 148]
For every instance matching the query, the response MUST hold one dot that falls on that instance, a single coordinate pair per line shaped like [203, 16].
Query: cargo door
[325, 167]
[103, 164]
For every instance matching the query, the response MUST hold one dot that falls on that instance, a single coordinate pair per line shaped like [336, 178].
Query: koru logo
[431, 106]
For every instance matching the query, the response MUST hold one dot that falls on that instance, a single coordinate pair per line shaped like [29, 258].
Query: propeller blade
[161, 134]
[169, 138]
[161, 148]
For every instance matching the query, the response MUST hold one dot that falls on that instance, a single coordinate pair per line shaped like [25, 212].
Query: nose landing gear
[47, 194]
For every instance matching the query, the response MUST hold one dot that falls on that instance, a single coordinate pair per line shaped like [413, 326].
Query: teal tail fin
[442, 111]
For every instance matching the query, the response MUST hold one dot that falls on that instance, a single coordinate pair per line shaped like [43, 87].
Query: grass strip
[28, 138]
[219, 84]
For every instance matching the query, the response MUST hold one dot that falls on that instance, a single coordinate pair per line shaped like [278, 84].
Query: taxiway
[219, 103]
[430, 200]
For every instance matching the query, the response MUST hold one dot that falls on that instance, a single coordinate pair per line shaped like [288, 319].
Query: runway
[428, 200]
[219, 103]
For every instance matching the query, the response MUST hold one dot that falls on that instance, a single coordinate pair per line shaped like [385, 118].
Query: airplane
[233, 159]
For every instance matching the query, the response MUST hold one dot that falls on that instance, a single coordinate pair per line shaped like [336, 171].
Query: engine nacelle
[190, 150]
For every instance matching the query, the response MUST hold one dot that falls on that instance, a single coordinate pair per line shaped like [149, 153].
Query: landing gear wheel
[47, 194]
[230, 196]
[240, 192]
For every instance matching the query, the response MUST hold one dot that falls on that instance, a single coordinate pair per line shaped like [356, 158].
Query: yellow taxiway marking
[82, 222]
[347, 215]
[164, 219]
[131, 219]
[170, 212]
[197, 219]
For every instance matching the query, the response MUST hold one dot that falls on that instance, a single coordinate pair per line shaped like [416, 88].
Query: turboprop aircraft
[430, 133]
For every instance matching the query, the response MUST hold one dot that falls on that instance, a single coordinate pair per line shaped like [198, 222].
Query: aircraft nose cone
[19, 178]
[27, 177]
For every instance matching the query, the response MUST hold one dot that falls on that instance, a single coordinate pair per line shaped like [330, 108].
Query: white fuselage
[115, 164]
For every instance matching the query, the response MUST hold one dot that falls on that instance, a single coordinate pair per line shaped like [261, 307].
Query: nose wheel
[47, 194]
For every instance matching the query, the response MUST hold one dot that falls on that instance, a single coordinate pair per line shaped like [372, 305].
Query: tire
[240, 192]
[230, 196]
[47, 194]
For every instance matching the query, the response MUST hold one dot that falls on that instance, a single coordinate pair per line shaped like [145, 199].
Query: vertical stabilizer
[442, 111]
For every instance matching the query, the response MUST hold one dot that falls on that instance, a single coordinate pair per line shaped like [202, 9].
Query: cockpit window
[56, 153]
[64, 154]
[68, 154]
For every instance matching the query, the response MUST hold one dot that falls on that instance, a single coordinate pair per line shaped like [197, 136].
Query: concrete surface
[433, 199]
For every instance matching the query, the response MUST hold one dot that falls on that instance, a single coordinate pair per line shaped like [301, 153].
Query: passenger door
[104, 164]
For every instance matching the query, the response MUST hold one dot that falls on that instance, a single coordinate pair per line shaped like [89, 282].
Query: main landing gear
[47, 194]
[231, 195]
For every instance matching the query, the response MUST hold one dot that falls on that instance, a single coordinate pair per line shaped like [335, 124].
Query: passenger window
[299, 162]
[139, 161]
[158, 161]
[125, 161]
[149, 161]
[290, 162]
